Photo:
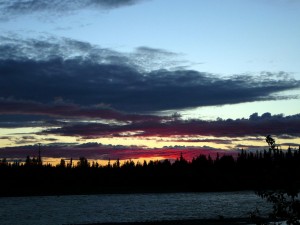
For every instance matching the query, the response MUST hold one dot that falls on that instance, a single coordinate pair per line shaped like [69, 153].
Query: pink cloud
[68, 110]
[95, 151]
[179, 128]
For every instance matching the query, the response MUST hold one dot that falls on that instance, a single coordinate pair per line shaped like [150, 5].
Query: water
[54, 210]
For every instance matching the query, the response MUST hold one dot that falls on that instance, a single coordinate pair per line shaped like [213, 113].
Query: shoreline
[220, 221]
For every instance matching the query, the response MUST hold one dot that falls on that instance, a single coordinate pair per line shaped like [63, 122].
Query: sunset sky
[147, 79]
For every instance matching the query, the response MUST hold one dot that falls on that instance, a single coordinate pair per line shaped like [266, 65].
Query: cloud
[94, 151]
[22, 140]
[251, 148]
[5, 138]
[291, 145]
[191, 140]
[9, 8]
[154, 59]
[15, 113]
[262, 126]
[78, 72]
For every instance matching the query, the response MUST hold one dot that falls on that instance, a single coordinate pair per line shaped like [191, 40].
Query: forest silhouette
[268, 169]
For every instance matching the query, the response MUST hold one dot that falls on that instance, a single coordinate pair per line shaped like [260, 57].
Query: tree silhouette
[83, 163]
[286, 205]
[271, 169]
[62, 163]
[271, 142]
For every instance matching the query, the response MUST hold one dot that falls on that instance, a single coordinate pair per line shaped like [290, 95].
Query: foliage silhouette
[264, 170]
[286, 204]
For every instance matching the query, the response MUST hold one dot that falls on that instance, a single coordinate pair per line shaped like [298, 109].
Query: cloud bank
[83, 74]
[254, 126]
[33, 111]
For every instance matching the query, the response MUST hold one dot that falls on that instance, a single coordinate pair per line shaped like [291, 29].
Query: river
[76, 209]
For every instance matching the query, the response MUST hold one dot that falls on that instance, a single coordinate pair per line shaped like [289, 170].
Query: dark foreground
[249, 171]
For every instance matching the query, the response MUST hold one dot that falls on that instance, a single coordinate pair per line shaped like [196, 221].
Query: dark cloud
[191, 140]
[96, 151]
[23, 120]
[252, 148]
[262, 126]
[32, 114]
[262, 139]
[23, 140]
[50, 139]
[83, 74]
[290, 144]
[9, 8]
[5, 138]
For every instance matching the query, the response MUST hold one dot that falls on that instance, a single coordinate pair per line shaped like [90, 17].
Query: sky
[147, 79]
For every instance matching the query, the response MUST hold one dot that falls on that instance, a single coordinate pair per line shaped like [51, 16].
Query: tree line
[268, 169]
